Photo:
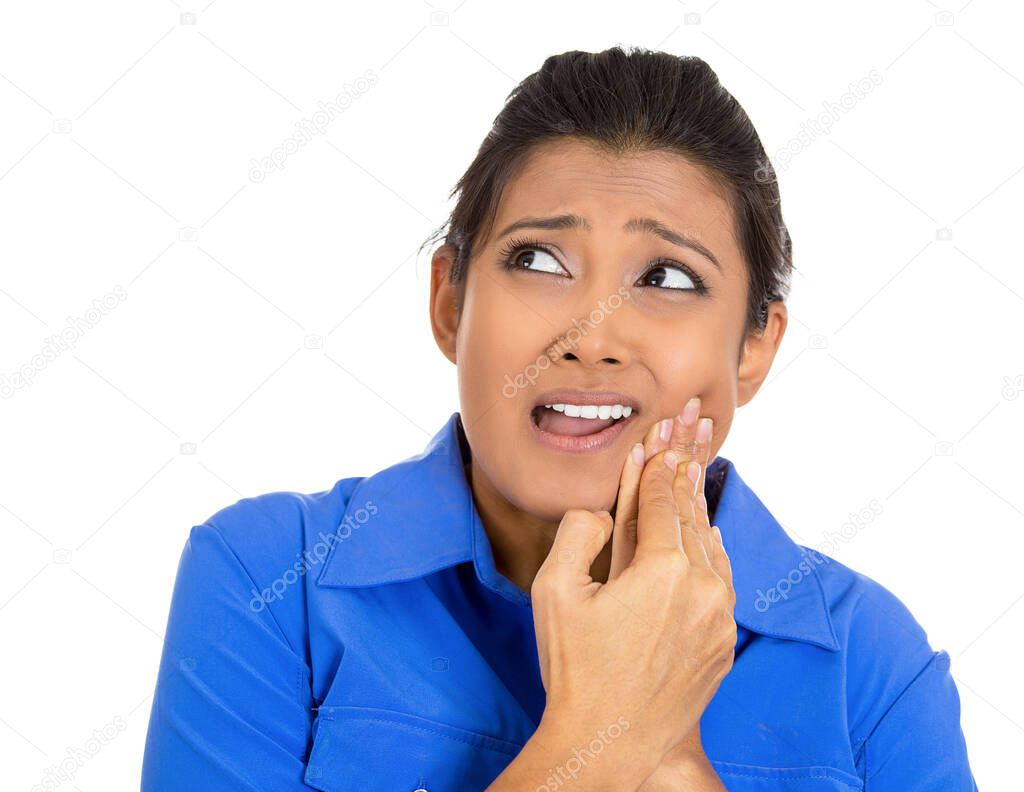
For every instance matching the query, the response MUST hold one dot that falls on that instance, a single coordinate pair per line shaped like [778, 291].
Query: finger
[719, 557]
[580, 537]
[722, 565]
[686, 442]
[716, 548]
[684, 430]
[624, 531]
[683, 487]
[658, 438]
[658, 518]
[693, 488]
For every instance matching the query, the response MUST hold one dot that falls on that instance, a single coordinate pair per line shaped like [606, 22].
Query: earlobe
[445, 302]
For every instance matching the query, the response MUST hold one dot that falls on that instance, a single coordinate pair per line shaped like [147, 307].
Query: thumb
[580, 537]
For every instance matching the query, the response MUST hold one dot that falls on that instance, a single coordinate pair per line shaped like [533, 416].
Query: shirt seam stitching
[300, 663]
[861, 743]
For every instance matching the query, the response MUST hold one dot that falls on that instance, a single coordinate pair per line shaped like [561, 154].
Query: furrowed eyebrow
[636, 225]
[548, 223]
[646, 224]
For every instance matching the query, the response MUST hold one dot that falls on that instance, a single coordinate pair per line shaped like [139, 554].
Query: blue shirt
[361, 638]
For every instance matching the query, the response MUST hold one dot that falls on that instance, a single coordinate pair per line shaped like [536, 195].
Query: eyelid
[516, 245]
[688, 271]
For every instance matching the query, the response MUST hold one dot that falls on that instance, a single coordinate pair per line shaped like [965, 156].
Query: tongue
[559, 423]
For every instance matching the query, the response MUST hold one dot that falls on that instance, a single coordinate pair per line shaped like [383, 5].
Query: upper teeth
[593, 410]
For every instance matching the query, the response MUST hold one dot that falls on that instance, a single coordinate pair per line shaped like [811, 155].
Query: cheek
[701, 367]
[500, 352]
[690, 368]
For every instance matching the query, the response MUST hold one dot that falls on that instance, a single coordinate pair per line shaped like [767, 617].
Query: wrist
[694, 770]
[583, 756]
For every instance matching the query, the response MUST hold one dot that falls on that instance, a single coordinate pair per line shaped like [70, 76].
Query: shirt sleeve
[232, 708]
[918, 745]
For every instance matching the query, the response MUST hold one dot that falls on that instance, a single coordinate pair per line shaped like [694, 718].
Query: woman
[539, 600]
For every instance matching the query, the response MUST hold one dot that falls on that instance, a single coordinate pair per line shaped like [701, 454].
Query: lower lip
[598, 441]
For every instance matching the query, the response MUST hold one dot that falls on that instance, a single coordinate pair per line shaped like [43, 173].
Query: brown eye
[671, 276]
[530, 257]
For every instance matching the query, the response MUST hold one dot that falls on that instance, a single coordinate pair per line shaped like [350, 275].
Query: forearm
[561, 758]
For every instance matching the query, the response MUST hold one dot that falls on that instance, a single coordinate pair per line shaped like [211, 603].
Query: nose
[597, 335]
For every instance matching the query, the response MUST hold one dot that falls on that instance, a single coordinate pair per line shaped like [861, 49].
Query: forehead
[571, 175]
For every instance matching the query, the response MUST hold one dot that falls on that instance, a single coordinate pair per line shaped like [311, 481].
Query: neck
[519, 542]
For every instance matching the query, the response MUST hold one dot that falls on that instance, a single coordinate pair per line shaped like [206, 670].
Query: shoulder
[862, 609]
[265, 530]
[885, 646]
[264, 541]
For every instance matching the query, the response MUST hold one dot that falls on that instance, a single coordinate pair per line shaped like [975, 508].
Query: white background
[125, 151]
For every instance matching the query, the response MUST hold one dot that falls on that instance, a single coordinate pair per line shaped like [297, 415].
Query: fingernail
[703, 430]
[691, 410]
[693, 471]
[638, 454]
[665, 430]
[671, 459]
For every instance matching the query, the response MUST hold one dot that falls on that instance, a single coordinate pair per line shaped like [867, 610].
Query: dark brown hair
[632, 100]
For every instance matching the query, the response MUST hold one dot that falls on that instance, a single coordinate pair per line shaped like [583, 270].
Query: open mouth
[573, 421]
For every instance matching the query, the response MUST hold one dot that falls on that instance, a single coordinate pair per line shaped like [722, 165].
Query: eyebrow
[636, 225]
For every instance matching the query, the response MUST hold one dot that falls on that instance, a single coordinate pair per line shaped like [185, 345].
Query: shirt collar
[418, 516]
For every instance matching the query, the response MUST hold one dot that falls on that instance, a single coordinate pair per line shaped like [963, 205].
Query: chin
[551, 507]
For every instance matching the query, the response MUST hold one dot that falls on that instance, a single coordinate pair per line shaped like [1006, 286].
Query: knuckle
[674, 561]
[591, 527]
[665, 560]
[548, 590]
[707, 581]
[541, 583]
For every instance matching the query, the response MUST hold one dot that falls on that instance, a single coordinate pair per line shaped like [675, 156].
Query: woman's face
[612, 306]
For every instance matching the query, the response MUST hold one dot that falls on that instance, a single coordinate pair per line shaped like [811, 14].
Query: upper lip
[575, 396]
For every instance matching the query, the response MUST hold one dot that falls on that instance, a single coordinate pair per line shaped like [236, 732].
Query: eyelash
[514, 246]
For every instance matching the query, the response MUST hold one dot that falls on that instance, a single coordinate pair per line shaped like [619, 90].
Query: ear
[759, 350]
[445, 301]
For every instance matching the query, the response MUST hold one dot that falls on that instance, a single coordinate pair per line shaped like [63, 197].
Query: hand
[683, 439]
[648, 648]
[682, 765]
